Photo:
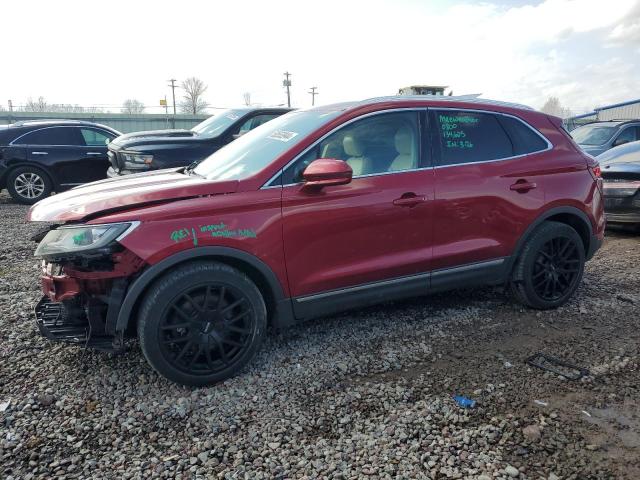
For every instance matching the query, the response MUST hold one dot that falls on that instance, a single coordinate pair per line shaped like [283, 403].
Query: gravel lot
[365, 394]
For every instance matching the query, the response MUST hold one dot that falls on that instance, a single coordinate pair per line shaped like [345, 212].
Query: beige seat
[406, 159]
[360, 164]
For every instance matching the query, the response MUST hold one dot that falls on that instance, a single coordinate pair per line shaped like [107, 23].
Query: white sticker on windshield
[282, 135]
[232, 116]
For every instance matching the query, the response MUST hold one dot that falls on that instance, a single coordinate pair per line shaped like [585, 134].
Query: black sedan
[153, 150]
[38, 157]
[621, 174]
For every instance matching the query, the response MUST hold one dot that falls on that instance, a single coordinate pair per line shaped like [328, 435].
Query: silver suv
[598, 137]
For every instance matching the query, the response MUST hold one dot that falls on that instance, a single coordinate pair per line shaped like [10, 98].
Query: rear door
[488, 189]
[370, 239]
[93, 162]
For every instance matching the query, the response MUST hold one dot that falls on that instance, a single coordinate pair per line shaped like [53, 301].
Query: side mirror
[620, 141]
[325, 172]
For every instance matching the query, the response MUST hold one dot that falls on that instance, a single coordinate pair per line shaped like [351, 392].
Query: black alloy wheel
[550, 266]
[556, 268]
[205, 329]
[201, 323]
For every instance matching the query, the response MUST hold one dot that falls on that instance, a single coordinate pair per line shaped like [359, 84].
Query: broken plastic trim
[557, 366]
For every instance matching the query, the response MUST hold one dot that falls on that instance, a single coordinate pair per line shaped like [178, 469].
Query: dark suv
[153, 150]
[319, 211]
[38, 157]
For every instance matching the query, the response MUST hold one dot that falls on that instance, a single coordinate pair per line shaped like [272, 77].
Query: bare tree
[193, 102]
[39, 105]
[553, 107]
[246, 96]
[132, 106]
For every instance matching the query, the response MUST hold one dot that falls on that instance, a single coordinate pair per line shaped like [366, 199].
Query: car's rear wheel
[202, 323]
[550, 266]
[28, 185]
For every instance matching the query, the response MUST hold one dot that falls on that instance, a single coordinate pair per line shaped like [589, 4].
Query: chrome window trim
[13, 142]
[513, 157]
[267, 185]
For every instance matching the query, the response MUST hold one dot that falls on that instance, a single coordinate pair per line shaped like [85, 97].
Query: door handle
[94, 153]
[409, 200]
[39, 153]
[522, 186]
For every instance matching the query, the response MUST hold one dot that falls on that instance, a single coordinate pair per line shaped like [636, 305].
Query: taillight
[596, 174]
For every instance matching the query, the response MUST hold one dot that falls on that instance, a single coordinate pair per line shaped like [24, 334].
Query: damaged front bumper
[82, 306]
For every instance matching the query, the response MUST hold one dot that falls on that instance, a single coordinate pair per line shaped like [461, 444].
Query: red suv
[315, 212]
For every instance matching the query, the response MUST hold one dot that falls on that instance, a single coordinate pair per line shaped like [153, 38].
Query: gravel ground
[364, 394]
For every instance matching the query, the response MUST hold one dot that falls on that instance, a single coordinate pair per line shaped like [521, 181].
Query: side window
[468, 137]
[387, 142]
[254, 122]
[524, 139]
[627, 135]
[95, 138]
[55, 136]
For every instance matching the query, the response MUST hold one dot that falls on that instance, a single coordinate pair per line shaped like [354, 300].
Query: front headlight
[135, 160]
[81, 238]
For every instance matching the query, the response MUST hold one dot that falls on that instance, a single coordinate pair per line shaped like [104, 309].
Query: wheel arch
[279, 308]
[568, 215]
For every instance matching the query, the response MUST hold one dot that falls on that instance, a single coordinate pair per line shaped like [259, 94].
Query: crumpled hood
[123, 193]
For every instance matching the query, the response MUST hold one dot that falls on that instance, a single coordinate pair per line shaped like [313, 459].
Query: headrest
[352, 146]
[404, 141]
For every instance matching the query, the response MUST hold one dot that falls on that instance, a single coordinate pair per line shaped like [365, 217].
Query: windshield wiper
[190, 169]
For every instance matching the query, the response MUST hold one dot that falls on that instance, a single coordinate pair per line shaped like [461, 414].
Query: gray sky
[585, 52]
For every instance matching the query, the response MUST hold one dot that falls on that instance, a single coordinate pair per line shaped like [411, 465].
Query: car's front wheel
[550, 266]
[28, 185]
[201, 323]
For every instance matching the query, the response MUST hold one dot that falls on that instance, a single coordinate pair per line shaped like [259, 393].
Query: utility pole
[287, 83]
[10, 106]
[173, 92]
[313, 95]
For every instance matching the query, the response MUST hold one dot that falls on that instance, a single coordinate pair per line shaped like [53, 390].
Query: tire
[28, 185]
[201, 323]
[550, 267]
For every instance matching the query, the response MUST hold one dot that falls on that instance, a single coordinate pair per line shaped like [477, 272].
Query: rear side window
[524, 139]
[60, 136]
[469, 137]
[95, 137]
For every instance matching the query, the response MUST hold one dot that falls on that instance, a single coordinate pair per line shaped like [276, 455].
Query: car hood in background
[594, 150]
[156, 137]
[122, 193]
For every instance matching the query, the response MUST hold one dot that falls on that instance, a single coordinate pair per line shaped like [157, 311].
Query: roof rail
[470, 98]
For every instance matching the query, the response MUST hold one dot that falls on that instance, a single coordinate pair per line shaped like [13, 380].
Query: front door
[346, 245]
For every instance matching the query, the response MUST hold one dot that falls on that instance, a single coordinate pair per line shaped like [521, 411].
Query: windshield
[256, 149]
[593, 134]
[214, 126]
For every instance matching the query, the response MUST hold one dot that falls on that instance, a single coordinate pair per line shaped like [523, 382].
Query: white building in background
[618, 111]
